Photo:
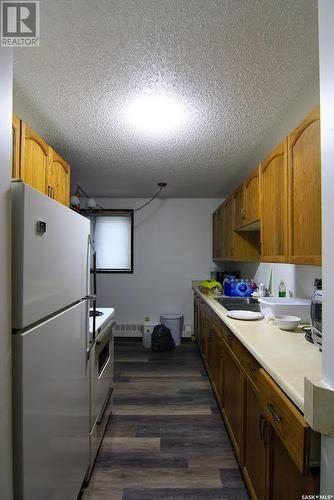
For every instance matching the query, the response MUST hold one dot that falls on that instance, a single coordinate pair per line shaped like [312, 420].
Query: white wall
[6, 77]
[326, 38]
[172, 248]
[298, 280]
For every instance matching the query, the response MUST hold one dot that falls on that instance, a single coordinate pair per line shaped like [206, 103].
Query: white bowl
[285, 322]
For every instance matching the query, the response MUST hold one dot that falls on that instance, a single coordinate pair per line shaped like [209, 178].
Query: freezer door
[50, 256]
[51, 408]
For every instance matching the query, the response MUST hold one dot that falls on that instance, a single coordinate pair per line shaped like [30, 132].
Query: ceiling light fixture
[75, 200]
[156, 114]
[92, 205]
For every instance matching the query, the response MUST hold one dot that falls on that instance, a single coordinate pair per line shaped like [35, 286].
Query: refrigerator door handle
[89, 295]
[90, 248]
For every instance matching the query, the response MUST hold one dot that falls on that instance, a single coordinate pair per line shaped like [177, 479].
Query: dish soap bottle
[282, 289]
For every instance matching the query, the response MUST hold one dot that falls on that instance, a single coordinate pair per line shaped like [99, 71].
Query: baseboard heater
[136, 330]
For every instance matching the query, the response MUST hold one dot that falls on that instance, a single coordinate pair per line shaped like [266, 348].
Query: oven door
[101, 376]
[101, 388]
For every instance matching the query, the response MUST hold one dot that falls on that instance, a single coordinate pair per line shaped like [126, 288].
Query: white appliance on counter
[101, 378]
[51, 346]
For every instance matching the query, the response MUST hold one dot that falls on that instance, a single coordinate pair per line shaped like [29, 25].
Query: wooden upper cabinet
[239, 207]
[252, 197]
[35, 154]
[16, 138]
[274, 205]
[217, 230]
[228, 229]
[305, 191]
[38, 165]
[58, 185]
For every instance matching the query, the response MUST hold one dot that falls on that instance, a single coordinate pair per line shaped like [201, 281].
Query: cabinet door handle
[276, 416]
[266, 434]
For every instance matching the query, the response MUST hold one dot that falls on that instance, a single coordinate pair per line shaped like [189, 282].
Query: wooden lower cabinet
[232, 398]
[285, 479]
[202, 334]
[216, 362]
[271, 466]
[255, 445]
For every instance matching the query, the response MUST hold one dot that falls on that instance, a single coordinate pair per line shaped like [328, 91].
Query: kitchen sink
[239, 303]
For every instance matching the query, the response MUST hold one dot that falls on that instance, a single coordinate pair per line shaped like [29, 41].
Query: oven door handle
[105, 334]
[104, 407]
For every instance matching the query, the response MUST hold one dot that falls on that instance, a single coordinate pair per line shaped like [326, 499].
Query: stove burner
[97, 313]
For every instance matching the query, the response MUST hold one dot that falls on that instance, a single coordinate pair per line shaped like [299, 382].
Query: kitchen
[229, 122]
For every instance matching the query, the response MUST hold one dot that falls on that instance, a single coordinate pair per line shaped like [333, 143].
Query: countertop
[101, 321]
[287, 356]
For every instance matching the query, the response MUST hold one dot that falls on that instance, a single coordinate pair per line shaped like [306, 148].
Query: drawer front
[285, 419]
[250, 366]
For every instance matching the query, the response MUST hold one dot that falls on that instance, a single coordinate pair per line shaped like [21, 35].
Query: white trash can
[175, 323]
[148, 328]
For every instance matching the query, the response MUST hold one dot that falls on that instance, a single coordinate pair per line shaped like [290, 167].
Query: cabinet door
[203, 332]
[274, 206]
[217, 366]
[218, 229]
[16, 138]
[252, 197]
[58, 179]
[232, 398]
[34, 159]
[215, 249]
[285, 479]
[196, 321]
[305, 191]
[228, 230]
[255, 445]
[209, 348]
[239, 207]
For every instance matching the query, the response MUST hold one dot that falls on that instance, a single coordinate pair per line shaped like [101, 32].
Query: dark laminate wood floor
[166, 439]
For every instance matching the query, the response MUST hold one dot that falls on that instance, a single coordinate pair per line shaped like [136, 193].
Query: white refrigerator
[51, 344]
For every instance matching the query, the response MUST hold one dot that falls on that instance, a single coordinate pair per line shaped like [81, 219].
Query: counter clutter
[286, 356]
[257, 375]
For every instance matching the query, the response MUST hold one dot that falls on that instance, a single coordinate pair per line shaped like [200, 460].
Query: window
[112, 234]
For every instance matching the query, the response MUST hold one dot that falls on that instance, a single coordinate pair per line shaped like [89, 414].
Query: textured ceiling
[235, 66]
